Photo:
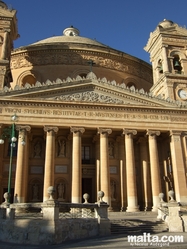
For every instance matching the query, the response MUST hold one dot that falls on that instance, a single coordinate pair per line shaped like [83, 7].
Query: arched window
[176, 64]
[160, 67]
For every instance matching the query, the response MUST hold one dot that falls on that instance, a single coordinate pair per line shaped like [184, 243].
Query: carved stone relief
[74, 57]
[89, 97]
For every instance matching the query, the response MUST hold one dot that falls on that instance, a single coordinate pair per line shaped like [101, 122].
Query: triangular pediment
[89, 90]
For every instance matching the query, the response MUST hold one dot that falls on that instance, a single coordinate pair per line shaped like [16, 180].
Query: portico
[126, 162]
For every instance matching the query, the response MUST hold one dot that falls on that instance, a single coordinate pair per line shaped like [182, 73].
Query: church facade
[88, 117]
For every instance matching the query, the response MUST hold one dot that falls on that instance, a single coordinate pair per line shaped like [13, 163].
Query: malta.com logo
[154, 240]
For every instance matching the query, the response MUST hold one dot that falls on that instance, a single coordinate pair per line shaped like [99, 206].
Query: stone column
[21, 178]
[155, 168]
[145, 172]
[132, 199]
[4, 46]
[104, 164]
[165, 59]
[76, 194]
[122, 172]
[49, 159]
[97, 164]
[178, 166]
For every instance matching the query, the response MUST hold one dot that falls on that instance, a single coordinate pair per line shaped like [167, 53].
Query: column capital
[50, 128]
[153, 133]
[175, 133]
[77, 129]
[104, 130]
[184, 133]
[23, 127]
[129, 132]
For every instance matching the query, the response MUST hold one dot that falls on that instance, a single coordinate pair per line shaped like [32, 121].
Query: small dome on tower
[3, 5]
[71, 31]
[166, 23]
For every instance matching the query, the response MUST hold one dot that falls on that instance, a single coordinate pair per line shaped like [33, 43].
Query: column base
[123, 209]
[76, 199]
[110, 209]
[154, 209]
[133, 209]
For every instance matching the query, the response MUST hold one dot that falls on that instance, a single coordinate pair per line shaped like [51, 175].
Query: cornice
[14, 104]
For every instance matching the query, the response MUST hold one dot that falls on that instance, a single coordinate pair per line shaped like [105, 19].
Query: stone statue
[113, 190]
[111, 149]
[37, 149]
[61, 147]
[35, 192]
[61, 191]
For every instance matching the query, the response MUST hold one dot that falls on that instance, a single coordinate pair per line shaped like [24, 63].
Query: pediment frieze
[90, 90]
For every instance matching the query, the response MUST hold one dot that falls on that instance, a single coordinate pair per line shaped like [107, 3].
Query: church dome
[71, 55]
[70, 35]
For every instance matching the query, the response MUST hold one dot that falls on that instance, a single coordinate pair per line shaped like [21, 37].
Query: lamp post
[9, 132]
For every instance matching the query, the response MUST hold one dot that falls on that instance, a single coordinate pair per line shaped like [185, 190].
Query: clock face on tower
[182, 94]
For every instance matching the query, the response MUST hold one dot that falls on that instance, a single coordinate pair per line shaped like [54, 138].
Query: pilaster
[145, 172]
[179, 173]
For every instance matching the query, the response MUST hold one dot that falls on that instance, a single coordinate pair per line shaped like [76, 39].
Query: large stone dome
[71, 55]
[70, 35]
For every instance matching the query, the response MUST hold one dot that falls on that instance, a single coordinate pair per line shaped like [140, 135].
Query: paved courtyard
[119, 241]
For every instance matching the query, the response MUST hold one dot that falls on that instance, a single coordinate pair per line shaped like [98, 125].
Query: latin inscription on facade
[94, 114]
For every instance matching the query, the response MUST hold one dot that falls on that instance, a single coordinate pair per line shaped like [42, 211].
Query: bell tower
[8, 33]
[167, 46]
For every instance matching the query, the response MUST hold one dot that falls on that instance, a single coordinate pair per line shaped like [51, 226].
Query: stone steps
[136, 224]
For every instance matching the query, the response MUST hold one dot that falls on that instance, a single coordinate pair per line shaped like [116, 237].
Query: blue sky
[121, 24]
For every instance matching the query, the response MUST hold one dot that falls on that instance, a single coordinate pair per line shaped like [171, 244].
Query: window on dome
[83, 75]
[131, 84]
[29, 79]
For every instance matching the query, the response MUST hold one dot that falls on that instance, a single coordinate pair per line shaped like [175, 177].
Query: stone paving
[111, 242]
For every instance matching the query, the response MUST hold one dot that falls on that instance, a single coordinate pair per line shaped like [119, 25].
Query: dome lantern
[71, 31]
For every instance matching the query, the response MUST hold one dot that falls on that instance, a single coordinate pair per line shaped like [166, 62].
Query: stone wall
[33, 231]
[53, 223]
